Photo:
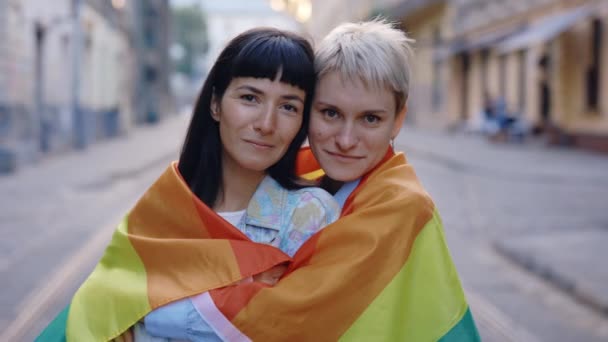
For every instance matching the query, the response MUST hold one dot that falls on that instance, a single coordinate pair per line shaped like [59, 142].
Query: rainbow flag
[381, 273]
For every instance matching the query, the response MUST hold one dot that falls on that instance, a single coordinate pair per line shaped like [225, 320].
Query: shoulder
[309, 210]
[312, 205]
[313, 199]
[396, 184]
[312, 202]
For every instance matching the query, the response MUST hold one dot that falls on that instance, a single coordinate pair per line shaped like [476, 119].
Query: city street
[497, 198]
[56, 217]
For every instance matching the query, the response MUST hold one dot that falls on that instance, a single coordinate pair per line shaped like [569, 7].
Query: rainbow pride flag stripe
[382, 272]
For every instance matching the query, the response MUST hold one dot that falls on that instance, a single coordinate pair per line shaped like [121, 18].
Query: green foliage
[189, 31]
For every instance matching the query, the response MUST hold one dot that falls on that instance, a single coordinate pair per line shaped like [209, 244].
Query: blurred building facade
[326, 14]
[55, 95]
[545, 58]
[150, 29]
[226, 19]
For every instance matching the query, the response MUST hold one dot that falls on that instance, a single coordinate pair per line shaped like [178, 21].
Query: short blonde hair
[374, 52]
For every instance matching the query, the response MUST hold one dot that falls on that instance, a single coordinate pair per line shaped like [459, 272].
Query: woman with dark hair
[263, 56]
[249, 122]
[233, 192]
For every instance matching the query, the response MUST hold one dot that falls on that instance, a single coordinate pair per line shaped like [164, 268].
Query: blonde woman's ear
[399, 122]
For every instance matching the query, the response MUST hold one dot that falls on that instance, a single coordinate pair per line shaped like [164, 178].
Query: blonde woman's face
[351, 126]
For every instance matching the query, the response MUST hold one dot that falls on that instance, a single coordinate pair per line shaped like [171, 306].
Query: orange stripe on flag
[306, 161]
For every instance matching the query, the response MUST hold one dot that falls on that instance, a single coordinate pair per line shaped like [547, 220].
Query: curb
[567, 285]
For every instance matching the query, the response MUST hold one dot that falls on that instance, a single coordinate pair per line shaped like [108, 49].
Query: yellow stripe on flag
[314, 175]
[424, 300]
[94, 313]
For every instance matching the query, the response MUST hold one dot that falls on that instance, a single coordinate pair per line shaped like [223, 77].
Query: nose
[266, 122]
[346, 139]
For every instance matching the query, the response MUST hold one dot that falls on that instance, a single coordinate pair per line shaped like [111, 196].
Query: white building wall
[104, 70]
[226, 19]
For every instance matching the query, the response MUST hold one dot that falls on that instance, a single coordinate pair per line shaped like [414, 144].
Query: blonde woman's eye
[371, 118]
[329, 113]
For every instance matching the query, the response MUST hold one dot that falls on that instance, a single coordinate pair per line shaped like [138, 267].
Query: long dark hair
[259, 53]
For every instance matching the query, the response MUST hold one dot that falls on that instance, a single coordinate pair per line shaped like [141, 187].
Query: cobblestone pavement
[56, 217]
[530, 200]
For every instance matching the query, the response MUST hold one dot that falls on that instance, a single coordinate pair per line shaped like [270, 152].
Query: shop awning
[473, 44]
[544, 30]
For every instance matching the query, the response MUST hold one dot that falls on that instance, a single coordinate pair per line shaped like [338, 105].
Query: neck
[330, 185]
[238, 186]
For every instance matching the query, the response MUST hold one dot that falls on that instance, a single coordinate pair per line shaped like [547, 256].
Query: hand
[272, 276]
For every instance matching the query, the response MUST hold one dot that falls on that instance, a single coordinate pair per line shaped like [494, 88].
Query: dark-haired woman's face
[258, 119]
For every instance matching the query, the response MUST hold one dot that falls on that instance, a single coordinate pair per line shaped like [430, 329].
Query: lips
[259, 144]
[344, 157]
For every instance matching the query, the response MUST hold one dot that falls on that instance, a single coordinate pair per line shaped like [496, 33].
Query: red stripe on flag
[306, 161]
[231, 302]
[256, 258]
[215, 225]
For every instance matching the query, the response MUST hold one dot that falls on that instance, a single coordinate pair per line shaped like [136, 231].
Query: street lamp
[301, 10]
[118, 4]
[277, 5]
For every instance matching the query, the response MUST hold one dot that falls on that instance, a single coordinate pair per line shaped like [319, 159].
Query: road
[57, 216]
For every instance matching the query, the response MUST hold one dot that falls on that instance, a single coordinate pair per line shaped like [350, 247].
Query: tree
[189, 37]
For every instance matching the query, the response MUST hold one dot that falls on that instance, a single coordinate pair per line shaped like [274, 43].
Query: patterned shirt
[275, 216]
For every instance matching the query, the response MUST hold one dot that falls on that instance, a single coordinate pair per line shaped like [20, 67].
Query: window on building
[436, 95]
[503, 75]
[466, 67]
[521, 56]
[593, 71]
[485, 55]
[150, 37]
[150, 74]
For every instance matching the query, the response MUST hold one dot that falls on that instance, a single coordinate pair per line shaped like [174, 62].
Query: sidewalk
[56, 217]
[570, 258]
[532, 161]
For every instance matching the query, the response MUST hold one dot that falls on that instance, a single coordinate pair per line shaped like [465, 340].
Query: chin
[257, 167]
[343, 176]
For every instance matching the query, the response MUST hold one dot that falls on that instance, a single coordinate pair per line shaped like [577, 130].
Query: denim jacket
[275, 216]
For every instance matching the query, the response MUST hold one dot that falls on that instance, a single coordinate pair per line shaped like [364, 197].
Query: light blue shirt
[275, 216]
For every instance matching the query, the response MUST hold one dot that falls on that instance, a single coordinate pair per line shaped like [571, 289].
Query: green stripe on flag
[55, 331]
[464, 331]
[422, 302]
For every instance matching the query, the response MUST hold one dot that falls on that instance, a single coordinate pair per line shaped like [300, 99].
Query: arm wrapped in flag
[381, 273]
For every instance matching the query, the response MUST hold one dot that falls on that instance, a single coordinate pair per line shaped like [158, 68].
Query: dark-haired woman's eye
[249, 98]
[290, 108]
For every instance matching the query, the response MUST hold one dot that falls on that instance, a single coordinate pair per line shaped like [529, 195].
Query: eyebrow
[379, 110]
[259, 92]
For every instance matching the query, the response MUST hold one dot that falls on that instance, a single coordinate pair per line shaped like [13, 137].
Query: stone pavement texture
[546, 208]
[48, 210]
[566, 259]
